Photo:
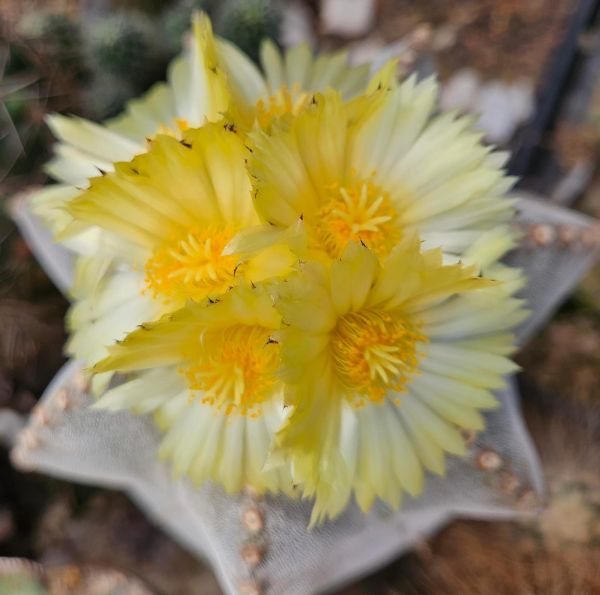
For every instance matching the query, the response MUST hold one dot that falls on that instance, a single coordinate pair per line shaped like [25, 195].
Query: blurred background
[530, 70]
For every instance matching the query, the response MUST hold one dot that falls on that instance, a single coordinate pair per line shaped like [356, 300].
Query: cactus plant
[58, 38]
[125, 46]
[68, 439]
[248, 22]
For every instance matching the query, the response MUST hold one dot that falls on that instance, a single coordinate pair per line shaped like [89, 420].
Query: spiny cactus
[58, 38]
[177, 19]
[127, 53]
[68, 439]
[114, 57]
[124, 45]
[248, 22]
[106, 94]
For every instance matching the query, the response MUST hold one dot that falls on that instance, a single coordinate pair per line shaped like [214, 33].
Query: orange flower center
[373, 353]
[192, 267]
[237, 370]
[360, 211]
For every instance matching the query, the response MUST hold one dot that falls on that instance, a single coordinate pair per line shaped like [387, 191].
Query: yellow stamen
[192, 267]
[237, 370]
[373, 353]
[359, 211]
[284, 101]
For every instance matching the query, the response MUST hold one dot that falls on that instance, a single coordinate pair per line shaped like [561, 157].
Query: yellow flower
[209, 374]
[376, 167]
[166, 216]
[384, 364]
[280, 240]
[211, 78]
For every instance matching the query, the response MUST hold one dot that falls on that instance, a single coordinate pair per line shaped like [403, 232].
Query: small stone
[569, 517]
[252, 555]
[347, 18]
[521, 99]
[250, 588]
[420, 37]
[502, 107]
[252, 519]
[444, 37]
[365, 51]
[296, 24]
[542, 234]
[489, 460]
[461, 90]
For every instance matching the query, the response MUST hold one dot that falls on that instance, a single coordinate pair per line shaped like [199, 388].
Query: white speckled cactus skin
[67, 439]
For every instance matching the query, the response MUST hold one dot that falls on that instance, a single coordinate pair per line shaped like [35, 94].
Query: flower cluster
[297, 272]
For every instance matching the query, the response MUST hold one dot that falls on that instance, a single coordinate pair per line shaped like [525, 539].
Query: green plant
[248, 22]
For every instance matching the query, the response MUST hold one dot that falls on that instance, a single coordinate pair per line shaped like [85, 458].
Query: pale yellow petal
[352, 278]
